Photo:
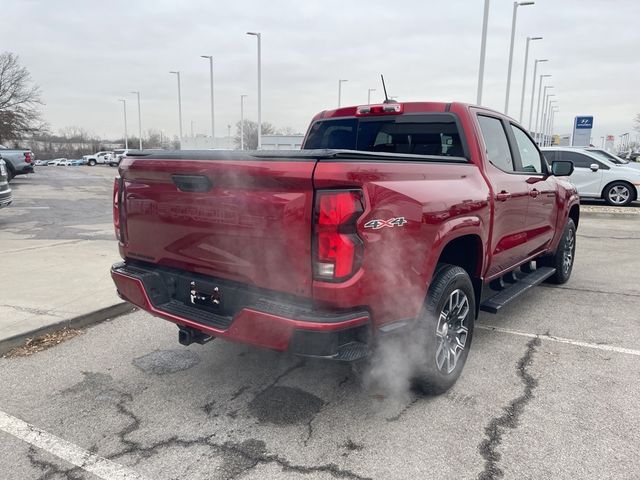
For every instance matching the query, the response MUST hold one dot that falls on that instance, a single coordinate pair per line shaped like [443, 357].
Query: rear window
[435, 134]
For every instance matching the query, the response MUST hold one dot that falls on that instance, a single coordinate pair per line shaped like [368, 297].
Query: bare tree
[287, 131]
[636, 123]
[251, 133]
[19, 100]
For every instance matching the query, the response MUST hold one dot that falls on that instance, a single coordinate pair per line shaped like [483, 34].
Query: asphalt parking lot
[550, 389]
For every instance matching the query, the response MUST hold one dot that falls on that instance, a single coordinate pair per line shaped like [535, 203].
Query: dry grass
[43, 342]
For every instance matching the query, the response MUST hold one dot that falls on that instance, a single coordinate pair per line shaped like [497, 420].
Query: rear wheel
[563, 259]
[10, 173]
[445, 328]
[618, 194]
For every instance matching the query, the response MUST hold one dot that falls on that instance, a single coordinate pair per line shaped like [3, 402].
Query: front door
[588, 182]
[542, 209]
[511, 197]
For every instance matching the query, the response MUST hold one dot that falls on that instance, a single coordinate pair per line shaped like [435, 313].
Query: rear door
[542, 209]
[510, 195]
[241, 218]
[588, 182]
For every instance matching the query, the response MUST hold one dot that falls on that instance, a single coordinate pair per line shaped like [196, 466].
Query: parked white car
[613, 158]
[55, 162]
[597, 177]
[64, 163]
[98, 157]
[118, 156]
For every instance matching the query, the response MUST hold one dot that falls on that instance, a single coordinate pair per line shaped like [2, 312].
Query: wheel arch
[574, 214]
[467, 252]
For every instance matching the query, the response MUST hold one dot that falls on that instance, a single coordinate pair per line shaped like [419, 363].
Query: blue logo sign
[584, 122]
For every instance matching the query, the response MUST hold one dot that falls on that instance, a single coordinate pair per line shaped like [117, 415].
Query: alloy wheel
[619, 194]
[569, 251]
[452, 331]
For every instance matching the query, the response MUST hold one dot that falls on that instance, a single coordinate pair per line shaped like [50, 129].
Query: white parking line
[577, 343]
[75, 455]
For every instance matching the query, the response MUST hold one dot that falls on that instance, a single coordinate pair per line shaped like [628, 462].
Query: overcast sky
[87, 54]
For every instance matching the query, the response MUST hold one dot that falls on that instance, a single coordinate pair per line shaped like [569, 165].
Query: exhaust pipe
[187, 336]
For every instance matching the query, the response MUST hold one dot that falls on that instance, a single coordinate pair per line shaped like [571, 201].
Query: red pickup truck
[392, 218]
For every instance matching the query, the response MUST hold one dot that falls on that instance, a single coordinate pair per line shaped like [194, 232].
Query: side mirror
[562, 168]
[594, 167]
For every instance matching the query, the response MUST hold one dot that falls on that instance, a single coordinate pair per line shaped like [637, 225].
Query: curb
[86, 320]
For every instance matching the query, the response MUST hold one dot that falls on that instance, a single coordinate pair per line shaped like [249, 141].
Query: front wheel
[564, 257]
[91, 163]
[618, 194]
[445, 329]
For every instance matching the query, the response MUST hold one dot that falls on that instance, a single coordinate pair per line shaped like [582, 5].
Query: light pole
[483, 51]
[553, 116]
[258, 35]
[139, 122]
[524, 75]
[545, 113]
[213, 137]
[242, 97]
[513, 34]
[542, 77]
[533, 88]
[126, 138]
[340, 82]
[369, 95]
[179, 105]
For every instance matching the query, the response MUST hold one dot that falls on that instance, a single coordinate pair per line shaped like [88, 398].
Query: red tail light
[338, 247]
[117, 199]
[28, 157]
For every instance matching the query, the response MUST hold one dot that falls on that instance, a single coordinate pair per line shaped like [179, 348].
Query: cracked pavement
[523, 407]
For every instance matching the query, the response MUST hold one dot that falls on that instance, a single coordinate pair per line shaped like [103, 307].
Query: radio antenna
[384, 87]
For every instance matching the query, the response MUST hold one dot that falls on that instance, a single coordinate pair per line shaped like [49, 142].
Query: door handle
[534, 193]
[503, 196]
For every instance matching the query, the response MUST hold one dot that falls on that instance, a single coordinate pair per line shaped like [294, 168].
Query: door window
[495, 140]
[579, 160]
[529, 154]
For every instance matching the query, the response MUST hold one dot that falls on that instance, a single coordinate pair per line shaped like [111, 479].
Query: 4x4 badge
[392, 222]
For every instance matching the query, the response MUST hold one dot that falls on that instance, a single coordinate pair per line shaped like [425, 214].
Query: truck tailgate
[244, 219]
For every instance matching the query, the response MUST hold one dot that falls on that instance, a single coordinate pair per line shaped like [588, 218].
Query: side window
[495, 139]
[579, 161]
[550, 156]
[529, 155]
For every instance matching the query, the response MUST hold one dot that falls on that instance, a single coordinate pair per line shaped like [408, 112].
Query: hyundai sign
[582, 131]
[584, 122]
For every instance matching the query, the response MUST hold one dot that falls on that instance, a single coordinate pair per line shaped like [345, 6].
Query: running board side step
[524, 284]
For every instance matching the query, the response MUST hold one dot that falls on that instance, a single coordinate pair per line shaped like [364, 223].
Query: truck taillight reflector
[382, 109]
[338, 249]
[28, 157]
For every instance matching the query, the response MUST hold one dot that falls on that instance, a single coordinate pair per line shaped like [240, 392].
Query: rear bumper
[24, 169]
[246, 315]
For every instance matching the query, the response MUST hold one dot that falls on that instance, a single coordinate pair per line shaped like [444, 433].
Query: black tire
[564, 257]
[618, 194]
[91, 163]
[433, 330]
[10, 172]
